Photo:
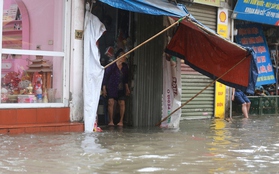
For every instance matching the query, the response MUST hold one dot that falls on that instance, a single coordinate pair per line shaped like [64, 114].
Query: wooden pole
[146, 41]
[158, 124]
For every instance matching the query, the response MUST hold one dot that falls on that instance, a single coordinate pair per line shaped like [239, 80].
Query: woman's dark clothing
[115, 80]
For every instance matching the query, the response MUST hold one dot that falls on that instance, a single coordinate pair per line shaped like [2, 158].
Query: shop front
[42, 61]
[127, 28]
[256, 26]
[33, 54]
[35, 60]
[144, 104]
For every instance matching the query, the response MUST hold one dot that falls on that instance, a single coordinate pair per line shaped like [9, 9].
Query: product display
[24, 74]
[31, 86]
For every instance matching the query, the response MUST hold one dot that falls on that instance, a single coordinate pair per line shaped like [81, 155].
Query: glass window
[32, 52]
[31, 79]
[33, 24]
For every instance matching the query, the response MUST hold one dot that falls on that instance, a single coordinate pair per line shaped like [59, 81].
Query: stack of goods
[43, 67]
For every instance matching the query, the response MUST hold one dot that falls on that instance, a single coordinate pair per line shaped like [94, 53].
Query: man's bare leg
[248, 107]
[245, 110]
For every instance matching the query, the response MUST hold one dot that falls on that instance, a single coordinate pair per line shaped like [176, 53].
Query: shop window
[33, 56]
[32, 24]
[31, 79]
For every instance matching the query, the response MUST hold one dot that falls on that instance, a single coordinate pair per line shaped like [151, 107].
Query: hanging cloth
[93, 70]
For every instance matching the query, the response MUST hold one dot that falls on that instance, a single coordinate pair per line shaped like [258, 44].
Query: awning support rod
[158, 124]
[179, 20]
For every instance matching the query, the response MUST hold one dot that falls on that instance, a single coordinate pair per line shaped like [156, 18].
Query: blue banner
[251, 35]
[153, 7]
[266, 12]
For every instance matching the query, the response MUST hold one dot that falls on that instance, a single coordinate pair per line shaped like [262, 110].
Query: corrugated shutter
[207, 15]
[192, 81]
[148, 72]
[201, 106]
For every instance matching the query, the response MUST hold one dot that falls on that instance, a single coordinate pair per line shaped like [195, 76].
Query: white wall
[76, 66]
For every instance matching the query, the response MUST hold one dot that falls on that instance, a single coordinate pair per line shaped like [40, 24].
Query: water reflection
[198, 146]
[89, 144]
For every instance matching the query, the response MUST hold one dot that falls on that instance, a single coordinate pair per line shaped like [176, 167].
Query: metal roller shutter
[201, 106]
[192, 81]
[207, 15]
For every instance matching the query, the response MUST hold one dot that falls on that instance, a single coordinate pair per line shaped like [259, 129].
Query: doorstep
[34, 120]
[36, 128]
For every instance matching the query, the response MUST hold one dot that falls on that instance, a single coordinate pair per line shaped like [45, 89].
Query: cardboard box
[25, 98]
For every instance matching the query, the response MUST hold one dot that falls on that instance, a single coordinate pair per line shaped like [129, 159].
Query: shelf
[12, 31]
[11, 22]
[15, 29]
[12, 40]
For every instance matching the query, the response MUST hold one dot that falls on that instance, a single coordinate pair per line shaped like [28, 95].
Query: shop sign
[251, 35]
[222, 25]
[266, 12]
[220, 89]
[209, 2]
[78, 34]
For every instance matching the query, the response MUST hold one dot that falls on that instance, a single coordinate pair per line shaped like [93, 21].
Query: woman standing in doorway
[115, 86]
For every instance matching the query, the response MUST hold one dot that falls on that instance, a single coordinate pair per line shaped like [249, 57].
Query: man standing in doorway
[241, 98]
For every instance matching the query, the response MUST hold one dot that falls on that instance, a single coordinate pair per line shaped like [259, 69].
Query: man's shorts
[241, 98]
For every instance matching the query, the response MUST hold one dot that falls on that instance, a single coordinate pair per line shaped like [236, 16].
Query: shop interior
[117, 36]
[31, 78]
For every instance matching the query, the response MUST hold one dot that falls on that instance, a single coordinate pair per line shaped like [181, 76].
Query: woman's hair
[118, 52]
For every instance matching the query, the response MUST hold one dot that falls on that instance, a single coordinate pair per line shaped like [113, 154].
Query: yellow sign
[223, 30]
[220, 89]
[209, 2]
[220, 97]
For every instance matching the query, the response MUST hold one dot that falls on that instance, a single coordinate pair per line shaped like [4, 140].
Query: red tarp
[212, 55]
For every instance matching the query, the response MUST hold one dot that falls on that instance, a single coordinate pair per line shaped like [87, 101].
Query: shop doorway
[126, 29]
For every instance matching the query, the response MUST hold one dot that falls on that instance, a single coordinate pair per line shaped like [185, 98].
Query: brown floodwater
[198, 146]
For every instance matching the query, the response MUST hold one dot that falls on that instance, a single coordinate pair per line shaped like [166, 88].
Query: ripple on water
[199, 146]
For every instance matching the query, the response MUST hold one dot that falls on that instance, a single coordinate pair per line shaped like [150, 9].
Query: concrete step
[33, 120]
[36, 128]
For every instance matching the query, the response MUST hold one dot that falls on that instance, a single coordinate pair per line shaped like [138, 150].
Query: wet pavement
[198, 146]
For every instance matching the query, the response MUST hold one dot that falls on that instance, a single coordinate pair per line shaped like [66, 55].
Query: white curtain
[93, 70]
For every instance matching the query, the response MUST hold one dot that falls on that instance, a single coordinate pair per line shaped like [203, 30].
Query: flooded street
[199, 146]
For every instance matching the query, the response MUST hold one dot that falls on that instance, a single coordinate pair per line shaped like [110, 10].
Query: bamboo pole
[179, 20]
[159, 123]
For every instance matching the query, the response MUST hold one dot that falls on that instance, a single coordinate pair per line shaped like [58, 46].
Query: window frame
[64, 54]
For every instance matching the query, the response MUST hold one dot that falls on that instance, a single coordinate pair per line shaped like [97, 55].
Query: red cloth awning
[212, 55]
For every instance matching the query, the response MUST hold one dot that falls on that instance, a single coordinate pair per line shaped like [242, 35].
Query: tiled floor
[15, 121]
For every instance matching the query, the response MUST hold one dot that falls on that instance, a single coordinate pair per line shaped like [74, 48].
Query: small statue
[29, 88]
[38, 87]
[45, 99]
